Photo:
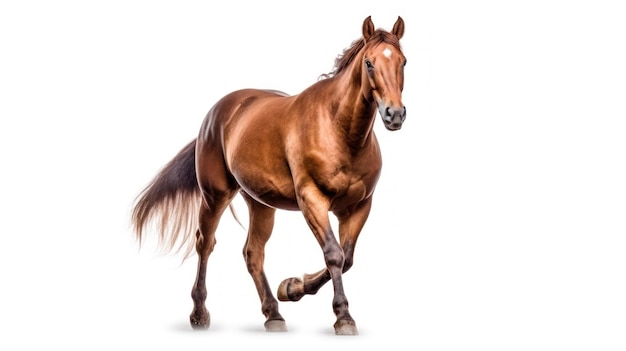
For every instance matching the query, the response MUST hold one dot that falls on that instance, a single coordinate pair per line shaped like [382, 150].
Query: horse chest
[345, 187]
[345, 179]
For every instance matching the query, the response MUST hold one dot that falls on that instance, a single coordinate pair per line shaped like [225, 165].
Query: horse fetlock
[291, 289]
[340, 305]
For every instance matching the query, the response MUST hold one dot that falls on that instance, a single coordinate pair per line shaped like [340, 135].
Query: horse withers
[315, 152]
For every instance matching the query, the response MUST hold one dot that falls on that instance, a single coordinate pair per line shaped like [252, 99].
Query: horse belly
[265, 187]
[272, 198]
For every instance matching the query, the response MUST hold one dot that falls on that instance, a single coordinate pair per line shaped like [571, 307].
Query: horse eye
[369, 65]
[404, 64]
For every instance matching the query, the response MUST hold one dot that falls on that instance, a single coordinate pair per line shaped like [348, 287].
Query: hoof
[275, 326]
[291, 289]
[200, 319]
[346, 328]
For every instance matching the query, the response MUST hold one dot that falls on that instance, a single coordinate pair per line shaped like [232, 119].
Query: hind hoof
[346, 328]
[275, 326]
[200, 320]
[291, 289]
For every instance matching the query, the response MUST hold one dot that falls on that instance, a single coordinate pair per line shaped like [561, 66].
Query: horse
[314, 152]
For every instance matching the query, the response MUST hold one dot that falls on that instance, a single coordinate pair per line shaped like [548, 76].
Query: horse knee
[348, 251]
[334, 257]
[347, 264]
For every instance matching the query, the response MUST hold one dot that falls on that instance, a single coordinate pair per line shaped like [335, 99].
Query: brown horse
[314, 152]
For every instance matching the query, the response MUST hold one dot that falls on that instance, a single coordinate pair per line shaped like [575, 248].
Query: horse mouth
[393, 122]
[393, 126]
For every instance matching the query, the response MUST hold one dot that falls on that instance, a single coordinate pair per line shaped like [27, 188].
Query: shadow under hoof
[275, 326]
[201, 322]
[346, 328]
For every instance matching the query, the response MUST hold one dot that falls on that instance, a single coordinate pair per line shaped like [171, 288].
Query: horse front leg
[351, 222]
[315, 206]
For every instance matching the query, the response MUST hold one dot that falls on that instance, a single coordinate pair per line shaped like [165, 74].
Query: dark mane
[347, 56]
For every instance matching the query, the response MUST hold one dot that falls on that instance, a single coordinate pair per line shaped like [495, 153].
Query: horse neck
[356, 109]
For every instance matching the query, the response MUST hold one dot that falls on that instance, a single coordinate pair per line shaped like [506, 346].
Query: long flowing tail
[171, 202]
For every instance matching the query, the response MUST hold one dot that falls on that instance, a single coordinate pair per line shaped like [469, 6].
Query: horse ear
[398, 28]
[368, 28]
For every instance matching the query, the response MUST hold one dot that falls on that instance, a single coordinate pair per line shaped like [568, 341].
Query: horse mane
[344, 59]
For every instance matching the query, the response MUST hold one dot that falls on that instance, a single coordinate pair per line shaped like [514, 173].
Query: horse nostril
[395, 112]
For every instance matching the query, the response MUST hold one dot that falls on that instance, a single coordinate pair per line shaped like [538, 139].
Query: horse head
[383, 71]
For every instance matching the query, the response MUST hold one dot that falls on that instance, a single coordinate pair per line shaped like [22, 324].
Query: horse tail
[171, 202]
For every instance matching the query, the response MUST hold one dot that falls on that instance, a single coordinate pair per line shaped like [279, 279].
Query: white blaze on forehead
[387, 53]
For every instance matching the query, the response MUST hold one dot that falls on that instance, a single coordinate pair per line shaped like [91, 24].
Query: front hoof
[344, 327]
[200, 320]
[291, 289]
[275, 325]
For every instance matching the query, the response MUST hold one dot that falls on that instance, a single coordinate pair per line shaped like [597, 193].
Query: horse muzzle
[393, 117]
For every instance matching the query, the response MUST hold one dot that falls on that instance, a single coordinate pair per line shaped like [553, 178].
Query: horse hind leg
[205, 242]
[200, 317]
[259, 232]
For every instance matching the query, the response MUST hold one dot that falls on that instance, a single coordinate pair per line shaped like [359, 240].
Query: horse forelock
[343, 60]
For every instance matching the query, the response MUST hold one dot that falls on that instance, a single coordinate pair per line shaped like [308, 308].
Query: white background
[499, 221]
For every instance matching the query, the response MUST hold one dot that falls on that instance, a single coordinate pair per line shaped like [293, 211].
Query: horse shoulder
[344, 178]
